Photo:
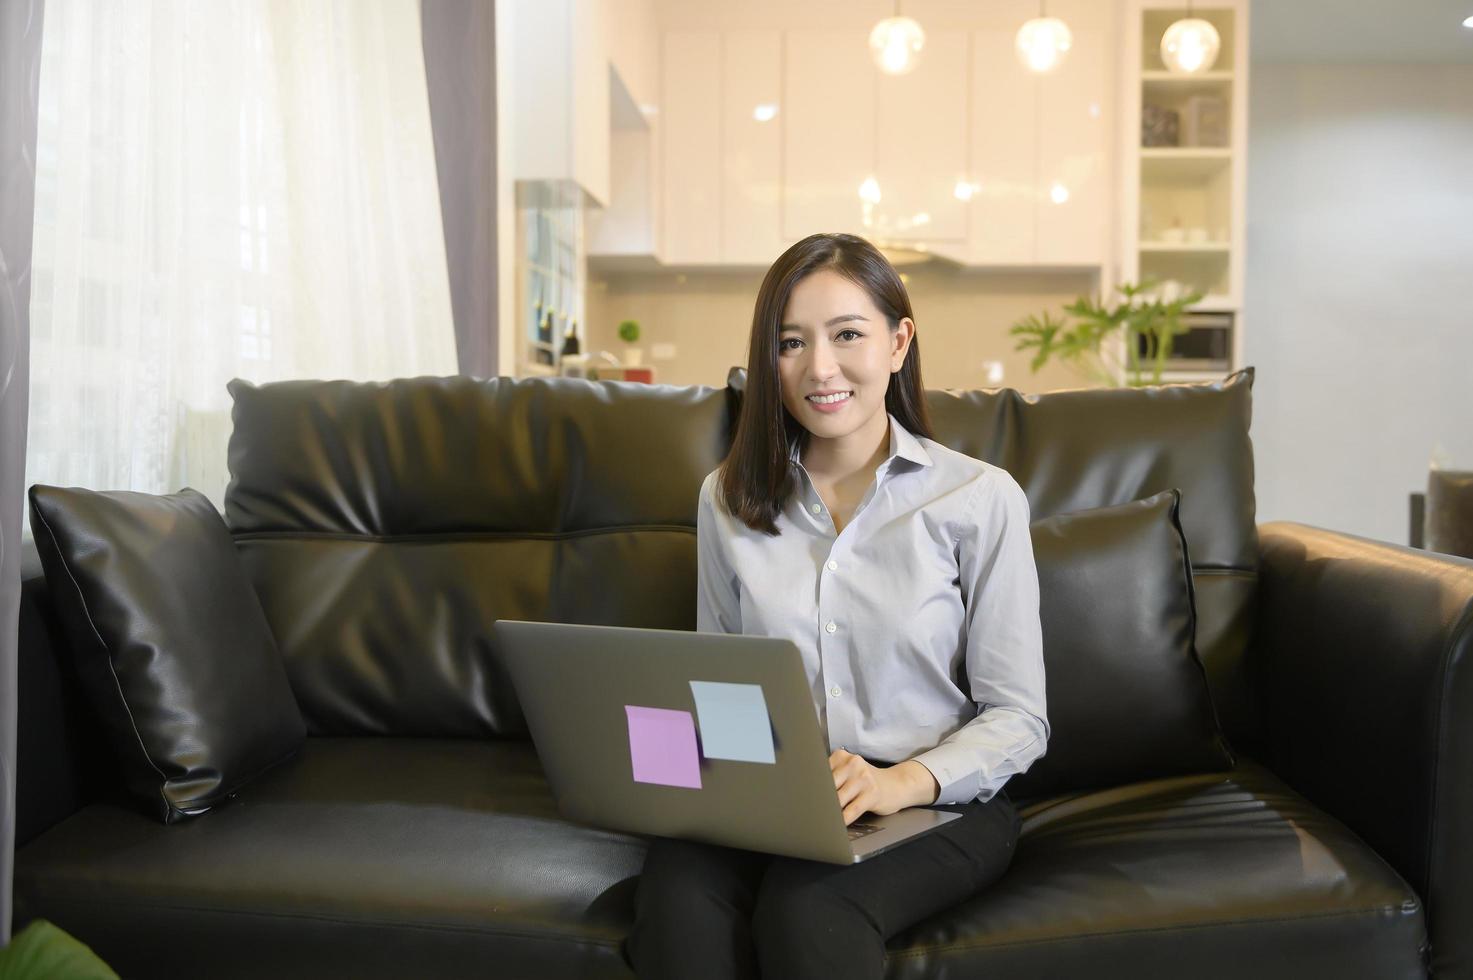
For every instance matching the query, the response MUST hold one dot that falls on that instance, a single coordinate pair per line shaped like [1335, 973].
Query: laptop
[705, 736]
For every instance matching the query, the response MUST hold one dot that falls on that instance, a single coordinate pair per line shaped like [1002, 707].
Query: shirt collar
[902, 444]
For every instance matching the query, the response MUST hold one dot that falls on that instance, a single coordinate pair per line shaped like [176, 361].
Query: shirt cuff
[956, 772]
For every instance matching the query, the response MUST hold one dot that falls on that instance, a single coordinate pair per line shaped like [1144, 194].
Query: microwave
[1206, 346]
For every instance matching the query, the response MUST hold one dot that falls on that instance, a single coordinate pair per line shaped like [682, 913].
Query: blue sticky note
[733, 720]
[662, 746]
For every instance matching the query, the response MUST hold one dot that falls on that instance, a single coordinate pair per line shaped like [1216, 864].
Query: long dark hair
[756, 481]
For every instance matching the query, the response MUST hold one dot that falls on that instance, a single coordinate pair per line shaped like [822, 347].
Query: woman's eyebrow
[841, 318]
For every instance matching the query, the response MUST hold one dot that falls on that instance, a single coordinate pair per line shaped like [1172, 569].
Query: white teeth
[829, 399]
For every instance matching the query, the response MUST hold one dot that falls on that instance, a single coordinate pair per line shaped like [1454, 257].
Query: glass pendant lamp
[1043, 41]
[896, 42]
[1190, 46]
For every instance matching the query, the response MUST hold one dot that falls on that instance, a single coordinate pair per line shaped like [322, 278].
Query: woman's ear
[900, 343]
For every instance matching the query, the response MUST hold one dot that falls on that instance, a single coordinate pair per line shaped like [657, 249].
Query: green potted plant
[629, 333]
[1142, 312]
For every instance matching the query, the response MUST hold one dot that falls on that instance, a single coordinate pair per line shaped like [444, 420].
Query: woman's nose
[822, 364]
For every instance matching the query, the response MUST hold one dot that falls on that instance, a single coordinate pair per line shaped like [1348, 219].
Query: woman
[904, 573]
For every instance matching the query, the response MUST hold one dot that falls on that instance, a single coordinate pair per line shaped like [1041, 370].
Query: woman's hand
[864, 788]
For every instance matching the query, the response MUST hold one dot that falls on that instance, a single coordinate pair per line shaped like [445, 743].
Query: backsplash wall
[962, 321]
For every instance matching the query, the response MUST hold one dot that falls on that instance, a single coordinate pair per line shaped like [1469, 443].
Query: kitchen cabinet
[751, 145]
[848, 122]
[828, 131]
[722, 119]
[1041, 192]
[1004, 141]
[691, 128]
[1073, 137]
[769, 136]
[921, 145]
[561, 113]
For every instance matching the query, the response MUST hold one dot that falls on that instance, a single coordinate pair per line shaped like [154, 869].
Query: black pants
[708, 911]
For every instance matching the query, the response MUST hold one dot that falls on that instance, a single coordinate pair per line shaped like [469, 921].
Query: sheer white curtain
[228, 188]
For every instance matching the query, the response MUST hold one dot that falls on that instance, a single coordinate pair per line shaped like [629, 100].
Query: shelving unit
[550, 272]
[1182, 213]
[1192, 247]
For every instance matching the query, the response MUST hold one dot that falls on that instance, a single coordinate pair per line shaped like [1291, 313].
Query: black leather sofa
[386, 526]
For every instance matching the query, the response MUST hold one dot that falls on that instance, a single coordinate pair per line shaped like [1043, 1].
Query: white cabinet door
[1040, 142]
[691, 129]
[1074, 203]
[751, 147]
[1004, 137]
[828, 115]
[591, 98]
[922, 145]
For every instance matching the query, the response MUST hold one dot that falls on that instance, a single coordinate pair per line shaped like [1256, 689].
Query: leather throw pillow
[1127, 695]
[169, 641]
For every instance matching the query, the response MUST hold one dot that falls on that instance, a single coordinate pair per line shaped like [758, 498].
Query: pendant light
[1190, 45]
[896, 43]
[1043, 41]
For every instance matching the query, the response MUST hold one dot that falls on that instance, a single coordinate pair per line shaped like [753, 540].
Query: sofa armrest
[62, 761]
[1360, 667]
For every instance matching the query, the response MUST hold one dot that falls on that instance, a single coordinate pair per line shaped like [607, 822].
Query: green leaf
[1036, 332]
[1140, 313]
[41, 951]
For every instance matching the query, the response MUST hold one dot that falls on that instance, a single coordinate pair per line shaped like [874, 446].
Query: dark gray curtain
[459, 39]
[20, 75]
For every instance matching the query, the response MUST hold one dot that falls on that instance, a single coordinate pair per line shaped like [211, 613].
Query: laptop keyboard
[858, 830]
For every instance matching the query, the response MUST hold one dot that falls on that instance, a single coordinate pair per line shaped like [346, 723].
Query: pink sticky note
[662, 746]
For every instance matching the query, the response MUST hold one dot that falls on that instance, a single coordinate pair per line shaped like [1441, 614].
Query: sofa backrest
[1074, 450]
[386, 526]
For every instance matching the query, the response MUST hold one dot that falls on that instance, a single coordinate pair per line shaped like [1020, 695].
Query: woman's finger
[844, 770]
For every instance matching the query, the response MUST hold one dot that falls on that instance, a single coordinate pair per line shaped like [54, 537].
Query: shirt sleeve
[1004, 655]
[718, 602]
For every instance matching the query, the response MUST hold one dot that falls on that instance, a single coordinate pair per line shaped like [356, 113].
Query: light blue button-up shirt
[918, 622]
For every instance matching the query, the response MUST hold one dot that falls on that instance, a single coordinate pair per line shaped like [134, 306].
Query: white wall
[1359, 287]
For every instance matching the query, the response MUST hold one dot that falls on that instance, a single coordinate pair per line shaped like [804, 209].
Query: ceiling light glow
[896, 44]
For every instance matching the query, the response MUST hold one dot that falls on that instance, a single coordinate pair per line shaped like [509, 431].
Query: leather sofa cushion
[1216, 876]
[169, 642]
[385, 857]
[1127, 696]
[364, 857]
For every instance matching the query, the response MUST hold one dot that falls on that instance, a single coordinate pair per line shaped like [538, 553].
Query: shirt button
[835, 691]
[817, 508]
[831, 627]
[833, 565]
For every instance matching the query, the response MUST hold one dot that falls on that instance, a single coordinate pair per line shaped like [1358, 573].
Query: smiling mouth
[830, 399]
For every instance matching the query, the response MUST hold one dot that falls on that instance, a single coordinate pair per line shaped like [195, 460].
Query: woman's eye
[782, 345]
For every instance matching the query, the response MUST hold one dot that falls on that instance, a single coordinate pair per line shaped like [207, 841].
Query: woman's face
[834, 339]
